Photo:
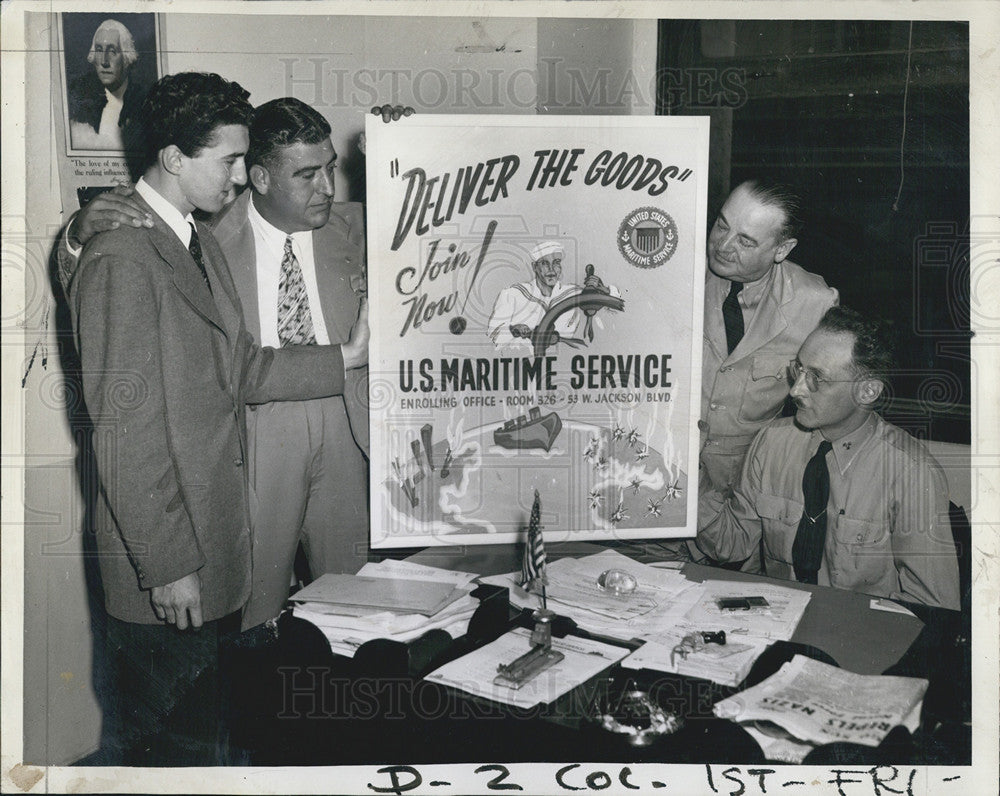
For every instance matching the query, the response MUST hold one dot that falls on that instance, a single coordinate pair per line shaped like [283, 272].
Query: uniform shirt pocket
[861, 551]
[780, 518]
[766, 389]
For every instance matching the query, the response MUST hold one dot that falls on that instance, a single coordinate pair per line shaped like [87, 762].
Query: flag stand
[541, 656]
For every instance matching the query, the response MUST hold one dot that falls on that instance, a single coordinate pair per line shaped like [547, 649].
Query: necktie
[295, 325]
[807, 549]
[194, 246]
[732, 316]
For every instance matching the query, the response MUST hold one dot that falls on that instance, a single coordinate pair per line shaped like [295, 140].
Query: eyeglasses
[813, 381]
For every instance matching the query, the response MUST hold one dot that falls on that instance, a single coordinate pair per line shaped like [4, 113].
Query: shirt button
[861, 536]
[238, 461]
[713, 406]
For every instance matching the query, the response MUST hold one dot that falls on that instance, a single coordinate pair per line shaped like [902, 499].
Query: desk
[296, 703]
[839, 622]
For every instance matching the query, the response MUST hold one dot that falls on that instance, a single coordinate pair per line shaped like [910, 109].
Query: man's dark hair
[283, 122]
[186, 109]
[873, 348]
[781, 196]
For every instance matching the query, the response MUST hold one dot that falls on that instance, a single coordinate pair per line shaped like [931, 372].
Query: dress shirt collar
[846, 449]
[172, 217]
[751, 294]
[274, 237]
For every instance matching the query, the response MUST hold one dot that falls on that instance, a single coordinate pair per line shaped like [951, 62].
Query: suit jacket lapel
[186, 275]
[338, 301]
[226, 296]
[235, 235]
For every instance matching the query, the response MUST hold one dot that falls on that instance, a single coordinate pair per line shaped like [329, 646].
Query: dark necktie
[194, 246]
[807, 549]
[295, 323]
[732, 316]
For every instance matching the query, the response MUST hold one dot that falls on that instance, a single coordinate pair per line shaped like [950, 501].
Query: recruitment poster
[536, 308]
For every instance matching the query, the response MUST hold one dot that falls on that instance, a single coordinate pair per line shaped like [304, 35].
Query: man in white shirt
[309, 473]
[168, 368]
[308, 465]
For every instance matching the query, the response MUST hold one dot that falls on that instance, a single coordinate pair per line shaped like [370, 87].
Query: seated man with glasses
[841, 497]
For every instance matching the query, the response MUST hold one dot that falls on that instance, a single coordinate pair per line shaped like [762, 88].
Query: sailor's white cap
[545, 249]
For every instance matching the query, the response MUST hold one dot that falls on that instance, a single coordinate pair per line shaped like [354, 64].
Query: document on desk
[389, 568]
[684, 653]
[474, 673]
[345, 632]
[660, 600]
[776, 620]
[401, 595]
[575, 582]
[819, 704]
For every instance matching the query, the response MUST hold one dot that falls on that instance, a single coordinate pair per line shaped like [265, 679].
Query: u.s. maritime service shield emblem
[647, 238]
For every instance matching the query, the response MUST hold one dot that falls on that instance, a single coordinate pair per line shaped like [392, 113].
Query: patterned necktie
[194, 247]
[732, 316]
[807, 549]
[295, 324]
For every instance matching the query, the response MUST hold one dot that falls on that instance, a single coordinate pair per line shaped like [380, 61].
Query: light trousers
[308, 483]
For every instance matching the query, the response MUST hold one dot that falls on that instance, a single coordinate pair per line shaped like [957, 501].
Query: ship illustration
[533, 430]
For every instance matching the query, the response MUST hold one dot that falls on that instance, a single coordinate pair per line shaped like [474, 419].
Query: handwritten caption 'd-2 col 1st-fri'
[717, 779]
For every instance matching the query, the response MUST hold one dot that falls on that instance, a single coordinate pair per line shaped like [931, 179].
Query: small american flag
[533, 566]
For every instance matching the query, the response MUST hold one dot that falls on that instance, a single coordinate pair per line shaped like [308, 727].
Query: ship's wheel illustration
[589, 300]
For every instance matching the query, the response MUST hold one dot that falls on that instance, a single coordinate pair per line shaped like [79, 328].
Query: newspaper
[820, 704]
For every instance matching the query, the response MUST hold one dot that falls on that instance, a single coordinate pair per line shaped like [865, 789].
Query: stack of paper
[474, 673]
[726, 664]
[819, 704]
[394, 600]
[660, 600]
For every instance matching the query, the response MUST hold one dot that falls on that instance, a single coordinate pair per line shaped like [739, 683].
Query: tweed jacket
[168, 366]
